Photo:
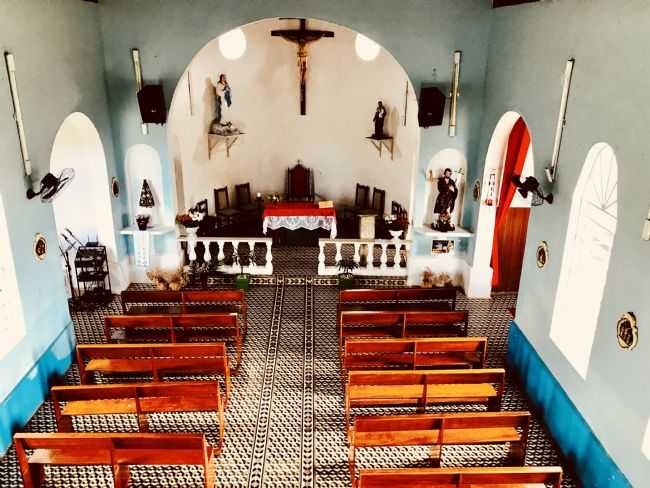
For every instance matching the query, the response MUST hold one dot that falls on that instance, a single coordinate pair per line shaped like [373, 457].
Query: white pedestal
[366, 226]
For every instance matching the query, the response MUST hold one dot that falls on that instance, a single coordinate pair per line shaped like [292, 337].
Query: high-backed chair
[361, 200]
[378, 201]
[207, 226]
[245, 203]
[300, 183]
[226, 215]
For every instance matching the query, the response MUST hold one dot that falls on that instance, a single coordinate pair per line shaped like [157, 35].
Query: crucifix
[302, 37]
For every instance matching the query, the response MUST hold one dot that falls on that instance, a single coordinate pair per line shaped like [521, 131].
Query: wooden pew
[151, 302]
[439, 429]
[154, 359]
[521, 477]
[110, 449]
[423, 387]
[401, 298]
[395, 324]
[178, 328]
[438, 352]
[137, 398]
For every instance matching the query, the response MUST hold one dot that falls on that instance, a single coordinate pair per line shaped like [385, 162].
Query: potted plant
[242, 280]
[143, 221]
[346, 278]
[190, 220]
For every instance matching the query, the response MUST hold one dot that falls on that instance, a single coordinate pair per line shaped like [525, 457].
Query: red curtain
[518, 143]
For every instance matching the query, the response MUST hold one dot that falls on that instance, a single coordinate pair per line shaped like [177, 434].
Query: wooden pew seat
[136, 398]
[154, 359]
[423, 387]
[407, 353]
[439, 429]
[510, 477]
[112, 449]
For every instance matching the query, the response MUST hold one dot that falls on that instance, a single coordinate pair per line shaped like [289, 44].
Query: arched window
[12, 322]
[587, 251]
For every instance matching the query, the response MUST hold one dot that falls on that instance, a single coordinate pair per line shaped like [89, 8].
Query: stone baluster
[207, 257]
[191, 247]
[339, 256]
[220, 255]
[321, 257]
[251, 251]
[383, 259]
[269, 258]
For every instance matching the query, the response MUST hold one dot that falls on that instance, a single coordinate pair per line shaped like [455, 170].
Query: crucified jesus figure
[302, 37]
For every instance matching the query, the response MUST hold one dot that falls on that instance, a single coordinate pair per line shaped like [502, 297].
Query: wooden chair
[378, 201]
[226, 215]
[423, 387]
[446, 352]
[440, 429]
[523, 477]
[361, 201]
[156, 360]
[111, 449]
[174, 328]
[139, 399]
[385, 323]
[245, 204]
[300, 184]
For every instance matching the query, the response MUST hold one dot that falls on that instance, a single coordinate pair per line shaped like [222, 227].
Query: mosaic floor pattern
[285, 418]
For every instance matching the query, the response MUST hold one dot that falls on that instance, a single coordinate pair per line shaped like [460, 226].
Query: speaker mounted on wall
[432, 106]
[151, 100]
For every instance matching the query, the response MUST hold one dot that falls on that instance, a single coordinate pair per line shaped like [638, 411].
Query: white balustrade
[254, 268]
[386, 267]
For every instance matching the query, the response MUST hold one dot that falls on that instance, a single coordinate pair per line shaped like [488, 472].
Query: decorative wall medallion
[115, 187]
[40, 247]
[542, 254]
[627, 332]
[476, 191]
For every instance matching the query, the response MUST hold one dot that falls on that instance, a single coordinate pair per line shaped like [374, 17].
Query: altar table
[299, 215]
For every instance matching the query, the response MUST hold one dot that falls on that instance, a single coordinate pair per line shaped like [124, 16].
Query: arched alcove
[454, 160]
[143, 163]
[84, 207]
[265, 105]
[585, 262]
[480, 275]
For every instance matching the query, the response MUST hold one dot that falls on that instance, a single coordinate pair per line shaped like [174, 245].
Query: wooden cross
[302, 37]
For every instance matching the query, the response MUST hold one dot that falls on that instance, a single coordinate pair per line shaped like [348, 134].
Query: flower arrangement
[191, 219]
[168, 280]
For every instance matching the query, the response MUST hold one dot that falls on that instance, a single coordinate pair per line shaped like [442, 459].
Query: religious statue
[223, 99]
[378, 119]
[445, 202]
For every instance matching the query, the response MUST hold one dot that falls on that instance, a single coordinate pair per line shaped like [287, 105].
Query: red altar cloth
[297, 209]
[299, 215]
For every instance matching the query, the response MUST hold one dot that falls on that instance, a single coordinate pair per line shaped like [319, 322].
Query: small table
[299, 215]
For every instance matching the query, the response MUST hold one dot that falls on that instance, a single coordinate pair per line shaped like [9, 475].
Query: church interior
[324, 243]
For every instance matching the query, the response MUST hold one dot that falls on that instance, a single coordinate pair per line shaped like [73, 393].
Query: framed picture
[627, 332]
[542, 254]
[115, 187]
[40, 247]
[476, 191]
[441, 247]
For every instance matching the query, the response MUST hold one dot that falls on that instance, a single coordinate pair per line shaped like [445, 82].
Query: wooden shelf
[215, 139]
[156, 230]
[384, 142]
[459, 233]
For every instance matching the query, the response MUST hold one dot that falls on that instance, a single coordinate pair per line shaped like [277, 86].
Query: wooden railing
[257, 266]
[372, 256]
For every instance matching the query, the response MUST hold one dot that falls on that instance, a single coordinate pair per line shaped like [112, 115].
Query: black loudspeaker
[152, 104]
[432, 106]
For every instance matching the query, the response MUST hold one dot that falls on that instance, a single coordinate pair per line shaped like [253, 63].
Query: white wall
[342, 93]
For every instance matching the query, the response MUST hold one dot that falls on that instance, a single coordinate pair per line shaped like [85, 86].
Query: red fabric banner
[518, 144]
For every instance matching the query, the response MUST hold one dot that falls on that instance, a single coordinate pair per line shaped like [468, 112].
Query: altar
[299, 215]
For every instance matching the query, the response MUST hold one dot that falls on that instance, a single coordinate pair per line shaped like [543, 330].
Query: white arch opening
[585, 262]
[84, 207]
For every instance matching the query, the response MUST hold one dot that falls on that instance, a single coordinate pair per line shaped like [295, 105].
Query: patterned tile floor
[285, 419]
